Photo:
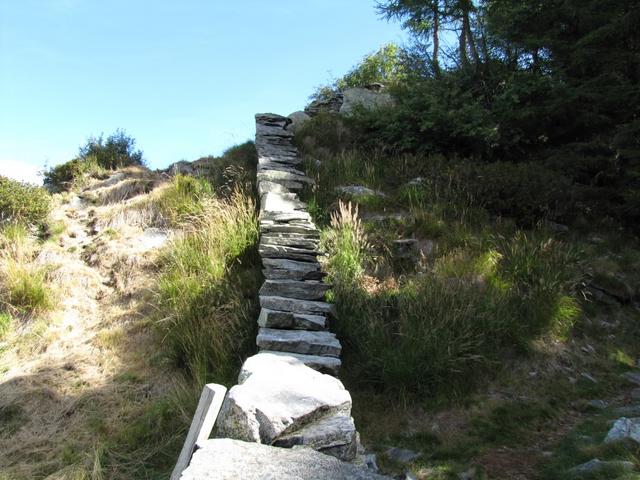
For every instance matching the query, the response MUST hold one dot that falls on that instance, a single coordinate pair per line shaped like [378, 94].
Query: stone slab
[299, 341]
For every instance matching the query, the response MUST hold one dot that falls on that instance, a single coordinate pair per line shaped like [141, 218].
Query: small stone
[359, 191]
[598, 404]
[633, 377]
[596, 465]
[402, 455]
[624, 428]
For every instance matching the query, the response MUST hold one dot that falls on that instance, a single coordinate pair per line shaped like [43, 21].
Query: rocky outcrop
[286, 395]
[225, 459]
[370, 97]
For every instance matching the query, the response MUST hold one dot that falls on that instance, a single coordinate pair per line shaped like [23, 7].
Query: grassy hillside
[119, 297]
[477, 336]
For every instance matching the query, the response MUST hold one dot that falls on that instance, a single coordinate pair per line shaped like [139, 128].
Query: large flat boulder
[277, 395]
[225, 459]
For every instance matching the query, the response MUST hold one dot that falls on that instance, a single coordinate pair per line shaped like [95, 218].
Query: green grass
[5, 324]
[24, 286]
[207, 288]
[471, 307]
[23, 203]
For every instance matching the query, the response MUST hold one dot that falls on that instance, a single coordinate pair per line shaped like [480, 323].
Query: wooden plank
[202, 424]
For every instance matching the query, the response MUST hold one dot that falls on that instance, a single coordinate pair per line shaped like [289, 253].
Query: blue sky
[184, 77]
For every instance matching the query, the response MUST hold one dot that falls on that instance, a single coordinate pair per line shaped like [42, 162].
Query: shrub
[21, 202]
[69, 175]
[117, 151]
[207, 288]
[185, 198]
[94, 158]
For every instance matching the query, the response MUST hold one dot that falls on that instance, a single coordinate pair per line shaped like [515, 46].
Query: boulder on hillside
[366, 98]
[277, 395]
[297, 120]
[624, 429]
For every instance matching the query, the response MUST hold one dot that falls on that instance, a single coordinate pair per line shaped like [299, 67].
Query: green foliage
[385, 66]
[236, 166]
[24, 203]
[117, 151]
[207, 288]
[71, 174]
[94, 158]
[184, 198]
[25, 290]
[5, 324]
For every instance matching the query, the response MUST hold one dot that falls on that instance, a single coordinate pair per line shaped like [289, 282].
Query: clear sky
[183, 77]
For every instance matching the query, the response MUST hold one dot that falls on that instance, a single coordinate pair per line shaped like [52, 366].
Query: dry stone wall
[287, 395]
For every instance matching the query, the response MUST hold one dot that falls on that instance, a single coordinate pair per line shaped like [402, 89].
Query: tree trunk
[470, 40]
[436, 39]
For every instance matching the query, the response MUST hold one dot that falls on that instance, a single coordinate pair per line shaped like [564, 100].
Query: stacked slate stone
[294, 315]
[287, 394]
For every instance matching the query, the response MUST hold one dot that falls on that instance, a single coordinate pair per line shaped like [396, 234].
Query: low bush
[23, 203]
[207, 288]
[95, 158]
[71, 174]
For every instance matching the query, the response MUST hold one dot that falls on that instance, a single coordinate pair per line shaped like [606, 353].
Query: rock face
[283, 398]
[225, 459]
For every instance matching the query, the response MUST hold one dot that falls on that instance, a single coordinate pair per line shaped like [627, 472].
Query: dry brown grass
[79, 376]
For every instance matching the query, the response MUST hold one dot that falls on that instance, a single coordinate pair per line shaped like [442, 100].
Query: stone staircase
[294, 316]
[287, 395]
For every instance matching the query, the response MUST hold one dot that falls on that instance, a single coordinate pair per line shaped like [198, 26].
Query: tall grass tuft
[24, 286]
[206, 292]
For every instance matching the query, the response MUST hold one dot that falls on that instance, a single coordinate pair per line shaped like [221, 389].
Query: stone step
[322, 363]
[289, 320]
[271, 130]
[283, 269]
[281, 202]
[299, 341]
[281, 167]
[285, 217]
[327, 432]
[310, 290]
[290, 253]
[272, 119]
[292, 240]
[306, 228]
[295, 305]
[265, 187]
[278, 176]
[283, 158]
